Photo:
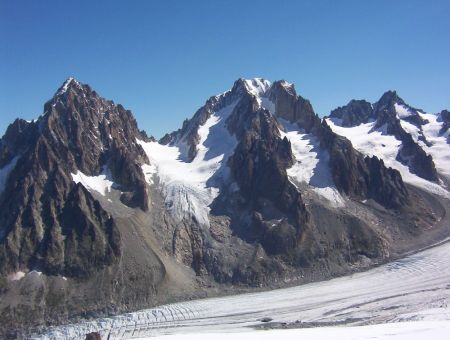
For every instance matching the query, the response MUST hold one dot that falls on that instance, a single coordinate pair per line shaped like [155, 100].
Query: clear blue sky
[163, 59]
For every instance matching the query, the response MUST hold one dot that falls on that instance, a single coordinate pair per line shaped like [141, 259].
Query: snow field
[190, 187]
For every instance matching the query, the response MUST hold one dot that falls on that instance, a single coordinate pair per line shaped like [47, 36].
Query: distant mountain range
[255, 190]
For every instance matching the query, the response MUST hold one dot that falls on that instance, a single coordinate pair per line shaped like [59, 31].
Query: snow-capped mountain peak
[406, 138]
[257, 86]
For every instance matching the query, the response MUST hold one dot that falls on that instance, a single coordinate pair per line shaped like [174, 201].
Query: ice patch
[376, 143]
[190, 187]
[17, 276]
[149, 171]
[413, 130]
[311, 163]
[5, 171]
[101, 183]
[402, 111]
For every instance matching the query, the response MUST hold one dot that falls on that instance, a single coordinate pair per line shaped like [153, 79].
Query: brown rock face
[48, 222]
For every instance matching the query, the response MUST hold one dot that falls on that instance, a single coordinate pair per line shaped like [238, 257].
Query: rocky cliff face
[49, 222]
[255, 189]
[354, 113]
[260, 202]
[444, 116]
[355, 175]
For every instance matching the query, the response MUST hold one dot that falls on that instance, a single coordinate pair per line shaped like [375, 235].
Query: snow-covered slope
[438, 143]
[311, 163]
[376, 142]
[190, 187]
[428, 135]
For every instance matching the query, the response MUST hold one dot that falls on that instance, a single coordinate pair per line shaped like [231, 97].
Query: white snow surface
[149, 170]
[101, 183]
[412, 293]
[5, 171]
[402, 111]
[17, 276]
[440, 148]
[373, 142]
[190, 187]
[311, 163]
[257, 86]
[391, 331]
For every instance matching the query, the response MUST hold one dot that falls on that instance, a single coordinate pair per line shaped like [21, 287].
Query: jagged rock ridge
[49, 222]
[255, 189]
[394, 117]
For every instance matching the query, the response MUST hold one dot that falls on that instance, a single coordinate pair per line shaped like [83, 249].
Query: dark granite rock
[444, 117]
[349, 168]
[48, 222]
[356, 112]
[411, 153]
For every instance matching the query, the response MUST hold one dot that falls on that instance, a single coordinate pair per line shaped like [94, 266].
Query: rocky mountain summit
[49, 219]
[255, 190]
[392, 116]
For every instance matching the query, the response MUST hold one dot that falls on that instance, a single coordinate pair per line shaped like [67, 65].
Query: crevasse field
[404, 299]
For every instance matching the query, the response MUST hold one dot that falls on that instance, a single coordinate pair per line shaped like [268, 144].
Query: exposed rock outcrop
[354, 113]
[355, 175]
[387, 119]
[48, 221]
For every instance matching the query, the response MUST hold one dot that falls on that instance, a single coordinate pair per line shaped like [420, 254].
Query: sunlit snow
[311, 163]
[101, 183]
[190, 187]
[390, 331]
[17, 276]
[257, 86]
[440, 147]
[402, 111]
[414, 288]
[377, 143]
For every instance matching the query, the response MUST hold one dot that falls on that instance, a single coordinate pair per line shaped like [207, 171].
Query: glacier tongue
[190, 187]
